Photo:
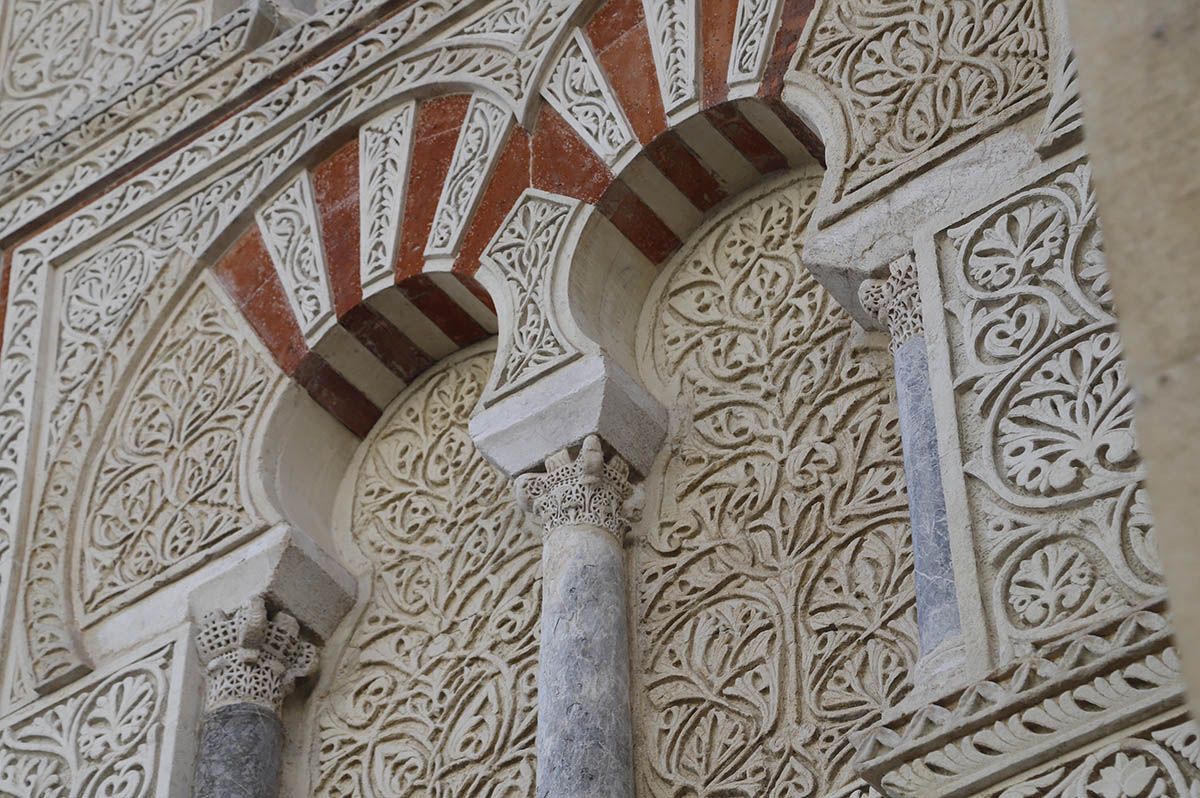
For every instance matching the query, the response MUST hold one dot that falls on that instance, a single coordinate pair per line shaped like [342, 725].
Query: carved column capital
[583, 490]
[895, 301]
[252, 657]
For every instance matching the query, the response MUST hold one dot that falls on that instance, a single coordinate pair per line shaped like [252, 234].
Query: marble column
[585, 506]
[896, 303]
[251, 660]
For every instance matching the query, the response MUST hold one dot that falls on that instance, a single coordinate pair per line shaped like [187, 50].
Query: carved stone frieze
[774, 595]
[584, 490]
[1053, 485]
[103, 738]
[1029, 712]
[60, 55]
[437, 682]
[1159, 760]
[915, 78]
[251, 656]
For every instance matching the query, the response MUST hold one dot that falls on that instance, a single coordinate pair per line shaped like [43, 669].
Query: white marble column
[251, 662]
[896, 303]
[585, 505]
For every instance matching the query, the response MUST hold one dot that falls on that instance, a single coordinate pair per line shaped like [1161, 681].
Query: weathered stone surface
[241, 753]
[933, 571]
[584, 742]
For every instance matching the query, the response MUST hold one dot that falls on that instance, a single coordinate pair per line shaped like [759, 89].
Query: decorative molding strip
[1026, 713]
[158, 83]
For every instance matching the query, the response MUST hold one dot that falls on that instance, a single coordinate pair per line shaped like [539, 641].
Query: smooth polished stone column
[896, 303]
[585, 505]
[251, 663]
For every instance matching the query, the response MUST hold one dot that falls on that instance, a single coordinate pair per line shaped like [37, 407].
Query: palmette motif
[436, 691]
[100, 741]
[775, 599]
[1045, 411]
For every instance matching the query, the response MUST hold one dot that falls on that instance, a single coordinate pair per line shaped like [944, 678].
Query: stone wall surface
[297, 293]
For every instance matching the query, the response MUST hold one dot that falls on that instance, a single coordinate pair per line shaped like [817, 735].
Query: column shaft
[937, 598]
[584, 748]
[241, 751]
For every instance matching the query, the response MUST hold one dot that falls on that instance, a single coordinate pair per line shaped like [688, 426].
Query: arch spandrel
[435, 684]
[774, 586]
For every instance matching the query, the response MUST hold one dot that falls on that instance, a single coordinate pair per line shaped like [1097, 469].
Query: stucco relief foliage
[1047, 410]
[1157, 763]
[99, 741]
[911, 75]
[61, 54]
[167, 484]
[775, 596]
[436, 691]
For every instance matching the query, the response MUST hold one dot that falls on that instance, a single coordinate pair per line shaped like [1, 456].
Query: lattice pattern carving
[775, 596]
[252, 657]
[437, 687]
[1045, 414]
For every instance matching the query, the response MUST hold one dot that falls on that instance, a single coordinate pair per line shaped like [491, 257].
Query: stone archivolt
[436, 689]
[775, 607]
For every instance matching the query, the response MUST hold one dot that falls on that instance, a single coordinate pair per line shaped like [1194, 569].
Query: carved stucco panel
[102, 739]
[1056, 506]
[436, 686]
[168, 482]
[579, 91]
[915, 78]
[1158, 761]
[385, 147]
[673, 26]
[58, 55]
[774, 596]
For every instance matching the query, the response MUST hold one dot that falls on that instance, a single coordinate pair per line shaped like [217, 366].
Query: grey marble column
[584, 743]
[251, 662]
[896, 303]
